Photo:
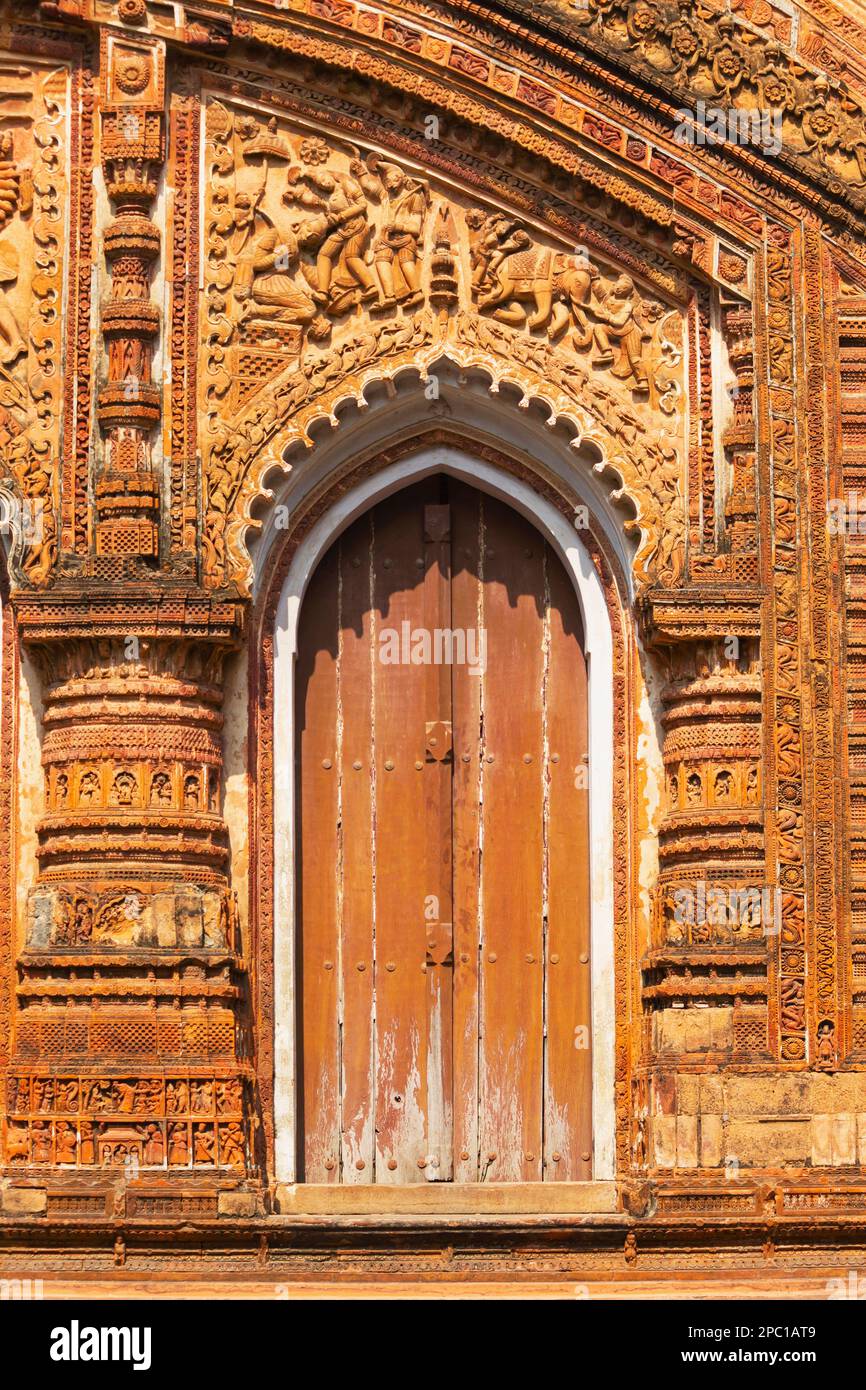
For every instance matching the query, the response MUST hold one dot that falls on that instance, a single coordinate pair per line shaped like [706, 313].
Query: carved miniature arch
[646, 499]
[466, 464]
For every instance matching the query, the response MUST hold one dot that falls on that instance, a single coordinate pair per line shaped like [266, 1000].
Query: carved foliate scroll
[33, 190]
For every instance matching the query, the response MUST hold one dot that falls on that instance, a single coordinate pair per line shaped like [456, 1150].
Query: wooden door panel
[568, 1080]
[401, 848]
[355, 891]
[467, 616]
[443, 858]
[319, 852]
[511, 1001]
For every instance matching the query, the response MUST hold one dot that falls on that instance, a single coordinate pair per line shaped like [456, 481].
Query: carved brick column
[129, 403]
[706, 974]
[129, 1050]
[739, 437]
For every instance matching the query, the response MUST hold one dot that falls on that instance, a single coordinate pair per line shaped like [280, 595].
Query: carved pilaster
[713, 911]
[128, 1047]
[129, 403]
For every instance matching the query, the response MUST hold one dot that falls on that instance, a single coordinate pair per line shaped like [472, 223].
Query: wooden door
[443, 851]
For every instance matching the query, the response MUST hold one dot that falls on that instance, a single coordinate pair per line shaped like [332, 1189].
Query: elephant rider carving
[509, 271]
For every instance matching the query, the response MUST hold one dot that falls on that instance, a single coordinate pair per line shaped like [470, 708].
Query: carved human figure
[232, 1145]
[203, 1144]
[177, 1097]
[67, 1142]
[178, 1145]
[12, 197]
[618, 326]
[397, 249]
[40, 1138]
[228, 1096]
[191, 792]
[88, 788]
[160, 789]
[202, 1097]
[61, 791]
[337, 231]
[264, 282]
[825, 1046]
[723, 787]
[153, 1146]
[693, 789]
[123, 788]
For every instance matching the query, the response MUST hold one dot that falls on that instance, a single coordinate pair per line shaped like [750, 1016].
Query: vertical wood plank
[356, 778]
[568, 1082]
[512, 851]
[318, 860]
[466, 614]
[402, 834]
[438, 768]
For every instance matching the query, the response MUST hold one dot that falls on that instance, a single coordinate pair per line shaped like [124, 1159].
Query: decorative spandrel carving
[327, 266]
[33, 186]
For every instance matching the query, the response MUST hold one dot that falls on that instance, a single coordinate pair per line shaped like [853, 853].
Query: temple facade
[433, 636]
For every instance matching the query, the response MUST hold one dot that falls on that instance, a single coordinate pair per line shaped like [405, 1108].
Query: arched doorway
[443, 896]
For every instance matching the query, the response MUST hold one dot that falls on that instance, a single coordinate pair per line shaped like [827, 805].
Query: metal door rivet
[419, 563]
[356, 563]
[555, 758]
[466, 757]
[529, 959]
[360, 1164]
[527, 757]
[464, 1154]
[556, 1157]
[492, 957]
[490, 757]
[361, 965]
[329, 965]
[530, 1158]
[586, 1157]
[390, 967]
[357, 765]
[392, 1164]
[583, 958]
[463, 957]
[491, 1158]
[389, 766]
[330, 1164]
[326, 762]
[433, 742]
[422, 1163]
[418, 766]
[554, 960]
[386, 563]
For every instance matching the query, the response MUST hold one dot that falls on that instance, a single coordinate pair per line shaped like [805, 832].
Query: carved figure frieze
[130, 1122]
[324, 261]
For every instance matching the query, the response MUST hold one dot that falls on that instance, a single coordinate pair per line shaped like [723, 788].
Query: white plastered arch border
[599, 650]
